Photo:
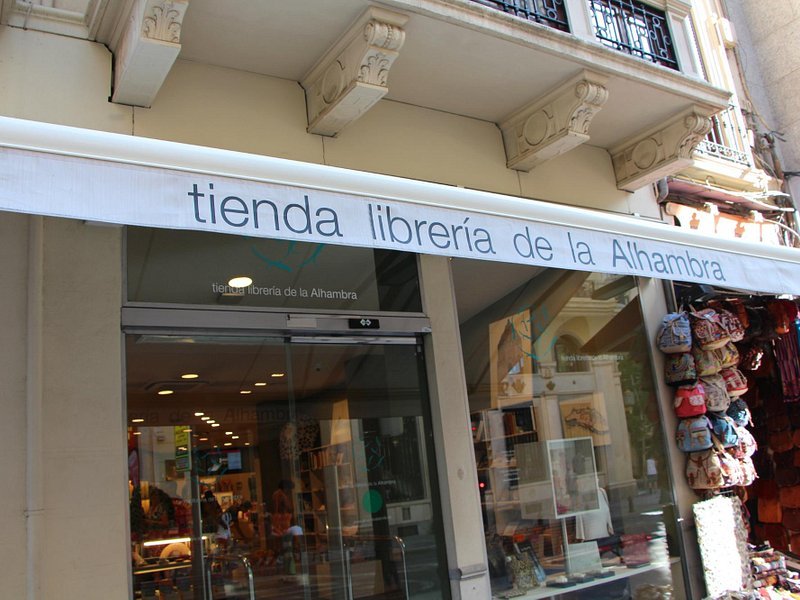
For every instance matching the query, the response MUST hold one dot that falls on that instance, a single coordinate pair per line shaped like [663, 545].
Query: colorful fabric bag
[707, 330]
[706, 362]
[749, 474]
[675, 334]
[704, 470]
[739, 412]
[717, 399]
[694, 435]
[731, 323]
[723, 429]
[747, 445]
[735, 381]
[690, 400]
[727, 355]
[679, 369]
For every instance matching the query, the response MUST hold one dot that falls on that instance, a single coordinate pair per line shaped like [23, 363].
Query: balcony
[727, 139]
[509, 62]
[552, 13]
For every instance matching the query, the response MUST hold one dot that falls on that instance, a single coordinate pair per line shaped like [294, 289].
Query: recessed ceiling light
[240, 282]
[205, 418]
[247, 443]
[228, 433]
[199, 414]
[277, 375]
[245, 391]
[260, 383]
[187, 430]
[228, 444]
[165, 392]
[215, 424]
[203, 439]
[190, 376]
[137, 433]
[137, 420]
[234, 437]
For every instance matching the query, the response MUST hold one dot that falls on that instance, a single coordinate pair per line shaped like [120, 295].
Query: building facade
[357, 301]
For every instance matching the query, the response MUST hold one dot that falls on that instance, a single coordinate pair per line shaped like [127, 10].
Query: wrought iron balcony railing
[547, 12]
[634, 28]
[726, 139]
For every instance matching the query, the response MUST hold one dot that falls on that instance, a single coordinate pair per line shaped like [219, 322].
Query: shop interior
[265, 468]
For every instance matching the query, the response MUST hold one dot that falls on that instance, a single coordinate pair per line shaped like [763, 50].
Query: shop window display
[574, 487]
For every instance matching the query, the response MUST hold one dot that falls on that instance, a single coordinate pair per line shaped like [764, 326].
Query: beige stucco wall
[83, 465]
[13, 300]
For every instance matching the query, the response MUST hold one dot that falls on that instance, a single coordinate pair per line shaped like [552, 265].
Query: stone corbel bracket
[147, 49]
[661, 151]
[554, 123]
[352, 76]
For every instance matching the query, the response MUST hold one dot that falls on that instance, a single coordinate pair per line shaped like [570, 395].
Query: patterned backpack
[706, 362]
[694, 435]
[707, 330]
[675, 334]
[731, 323]
[735, 381]
[717, 399]
[704, 470]
[724, 430]
[728, 355]
[690, 401]
[739, 412]
[679, 369]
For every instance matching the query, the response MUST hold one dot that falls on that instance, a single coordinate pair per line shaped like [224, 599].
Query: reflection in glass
[574, 491]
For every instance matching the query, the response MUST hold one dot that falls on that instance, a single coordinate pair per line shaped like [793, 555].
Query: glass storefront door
[268, 468]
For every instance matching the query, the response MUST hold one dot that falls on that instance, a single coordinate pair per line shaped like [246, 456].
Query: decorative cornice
[555, 123]
[660, 151]
[353, 75]
[147, 49]
[162, 20]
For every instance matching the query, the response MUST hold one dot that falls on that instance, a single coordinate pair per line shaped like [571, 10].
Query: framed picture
[585, 415]
[573, 475]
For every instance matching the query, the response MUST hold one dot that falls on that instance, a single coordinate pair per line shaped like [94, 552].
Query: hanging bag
[679, 369]
[707, 330]
[739, 412]
[675, 334]
[723, 430]
[694, 434]
[690, 401]
[731, 323]
[706, 362]
[704, 470]
[727, 355]
[717, 399]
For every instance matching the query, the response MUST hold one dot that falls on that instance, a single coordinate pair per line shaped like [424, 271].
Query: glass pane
[568, 445]
[192, 267]
[304, 466]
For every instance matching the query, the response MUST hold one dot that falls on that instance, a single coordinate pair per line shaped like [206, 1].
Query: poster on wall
[510, 359]
[586, 415]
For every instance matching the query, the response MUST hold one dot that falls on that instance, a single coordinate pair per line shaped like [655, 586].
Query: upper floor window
[547, 12]
[635, 28]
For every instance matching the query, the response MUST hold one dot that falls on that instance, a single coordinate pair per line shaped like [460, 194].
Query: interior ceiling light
[260, 383]
[199, 414]
[234, 437]
[245, 391]
[203, 439]
[137, 420]
[228, 444]
[228, 433]
[165, 392]
[188, 430]
[137, 433]
[215, 424]
[241, 281]
[277, 375]
[190, 376]
[247, 443]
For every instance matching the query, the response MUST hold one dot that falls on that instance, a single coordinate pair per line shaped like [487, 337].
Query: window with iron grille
[547, 12]
[635, 28]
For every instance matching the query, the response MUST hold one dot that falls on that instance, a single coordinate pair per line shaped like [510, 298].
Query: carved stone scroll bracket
[661, 151]
[353, 75]
[147, 50]
[555, 123]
